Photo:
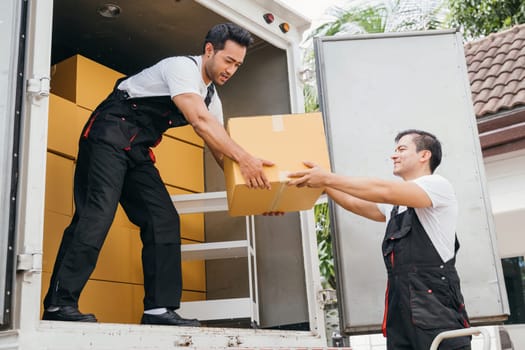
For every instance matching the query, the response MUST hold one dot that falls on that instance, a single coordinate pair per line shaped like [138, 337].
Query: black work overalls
[115, 164]
[423, 296]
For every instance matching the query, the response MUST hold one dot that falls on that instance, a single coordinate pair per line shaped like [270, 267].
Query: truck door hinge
[31, 262]
[38, 86]
[327, 298]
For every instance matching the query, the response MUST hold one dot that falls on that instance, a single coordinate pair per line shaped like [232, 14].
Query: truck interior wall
[260, 87]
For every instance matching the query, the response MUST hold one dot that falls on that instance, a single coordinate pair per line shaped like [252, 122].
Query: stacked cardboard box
[114, 292]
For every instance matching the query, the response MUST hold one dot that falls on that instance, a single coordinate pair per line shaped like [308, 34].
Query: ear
[425, 155]
[208, 49]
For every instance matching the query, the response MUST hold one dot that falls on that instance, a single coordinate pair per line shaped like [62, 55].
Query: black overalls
[423, 296]
[115, 164]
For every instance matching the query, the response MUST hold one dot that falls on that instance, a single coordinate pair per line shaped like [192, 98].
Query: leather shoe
[68, 313]
[169, 318]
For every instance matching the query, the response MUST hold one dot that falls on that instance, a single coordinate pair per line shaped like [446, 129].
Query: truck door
[372, 87]
[12, 19]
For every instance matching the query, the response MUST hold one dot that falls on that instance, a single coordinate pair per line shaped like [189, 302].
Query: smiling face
[408, 162]
[220, 65]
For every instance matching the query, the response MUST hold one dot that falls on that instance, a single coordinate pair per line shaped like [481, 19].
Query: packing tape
[283, 180]
[277, 123]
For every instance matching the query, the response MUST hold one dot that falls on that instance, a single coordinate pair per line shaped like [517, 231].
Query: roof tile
[496, 69]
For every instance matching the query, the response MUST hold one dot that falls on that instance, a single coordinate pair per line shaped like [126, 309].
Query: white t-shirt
[171, 77]
[438, 220]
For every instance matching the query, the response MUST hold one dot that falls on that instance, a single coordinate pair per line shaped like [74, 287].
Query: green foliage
[311, 103]
[478, 18]
[369, 19]
[324, 245]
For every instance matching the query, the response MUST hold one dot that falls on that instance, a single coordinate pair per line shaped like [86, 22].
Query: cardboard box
[59, 184]
[83, 81]
[66, 121]
[180, 164]
[186, 133]
[286, 140]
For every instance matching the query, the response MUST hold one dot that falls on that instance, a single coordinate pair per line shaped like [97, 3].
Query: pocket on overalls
[431, 301]
[114, 130]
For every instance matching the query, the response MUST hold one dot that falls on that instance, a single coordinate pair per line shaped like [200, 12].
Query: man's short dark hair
[219, 33]
[425, 141]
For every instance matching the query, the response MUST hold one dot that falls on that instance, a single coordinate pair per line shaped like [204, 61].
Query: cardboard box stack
[286, 140]
[115, 291]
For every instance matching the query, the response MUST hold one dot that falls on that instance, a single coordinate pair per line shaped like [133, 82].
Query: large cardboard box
[186, 133]
[66, 121]
[286, 140]
[59, 184]
[180, 164]
[83, 81]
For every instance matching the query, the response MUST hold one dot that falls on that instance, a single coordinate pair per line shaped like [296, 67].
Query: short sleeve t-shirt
[171, 77]
[438, 220]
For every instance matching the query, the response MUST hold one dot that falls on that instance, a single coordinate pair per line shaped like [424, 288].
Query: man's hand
[252, 169]
[312, 177]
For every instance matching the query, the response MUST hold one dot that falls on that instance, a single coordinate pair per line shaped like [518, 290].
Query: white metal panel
[215, 250]
[371, 88]
[10, 13]
[30, 215]
[73, 335]
[200, 202]
[223, 309]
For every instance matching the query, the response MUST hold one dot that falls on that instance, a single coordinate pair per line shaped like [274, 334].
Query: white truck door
[11, 19]
[371, 87]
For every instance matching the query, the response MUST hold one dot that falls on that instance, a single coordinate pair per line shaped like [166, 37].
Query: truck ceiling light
[285, 27]
[109, 10]
[268, 18]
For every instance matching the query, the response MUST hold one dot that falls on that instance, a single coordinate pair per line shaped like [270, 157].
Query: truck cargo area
[128, 36]
[253, 281]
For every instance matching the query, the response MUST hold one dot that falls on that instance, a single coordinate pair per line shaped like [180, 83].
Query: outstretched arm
[355, 205]
[216, 137]
[369, 189]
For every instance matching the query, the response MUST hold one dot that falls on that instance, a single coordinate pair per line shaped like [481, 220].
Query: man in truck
[115, 164]
[423, 296]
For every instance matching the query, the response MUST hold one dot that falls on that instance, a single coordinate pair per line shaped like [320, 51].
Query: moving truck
[253, 281]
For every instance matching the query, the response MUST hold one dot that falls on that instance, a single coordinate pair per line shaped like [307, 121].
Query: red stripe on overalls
[88, 129]
[130, 141]
[152, 155]
[385, 313]
[465, 322]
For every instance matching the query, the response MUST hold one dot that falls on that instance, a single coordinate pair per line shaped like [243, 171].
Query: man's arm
[405, 193]
[355, 205]
[218, 156]
[216, 137]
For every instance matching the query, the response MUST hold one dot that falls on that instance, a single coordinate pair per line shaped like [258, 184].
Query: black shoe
[68, 313]
[169, 318]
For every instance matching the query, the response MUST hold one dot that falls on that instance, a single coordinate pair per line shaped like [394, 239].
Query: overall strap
[211, 87]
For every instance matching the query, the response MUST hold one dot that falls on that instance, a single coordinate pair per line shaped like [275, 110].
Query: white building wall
[506, 184]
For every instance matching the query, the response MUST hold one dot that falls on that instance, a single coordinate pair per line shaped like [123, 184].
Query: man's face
[223, 64]
[406, 158]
